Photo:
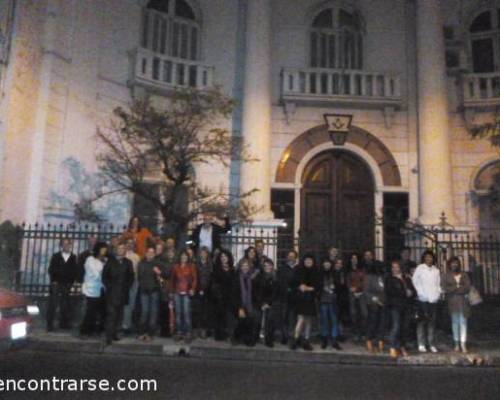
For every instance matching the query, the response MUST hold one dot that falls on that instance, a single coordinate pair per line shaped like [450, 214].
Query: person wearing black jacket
[149, 278]
[285, 276]
[220, 292]
[373, 289]
[245, 304]
[399, 294]
[208, 234]
[267, 294]
[369, 263]
[63, 272]
[328, 307]
[117, 277]
[340, 279]
[306, 287]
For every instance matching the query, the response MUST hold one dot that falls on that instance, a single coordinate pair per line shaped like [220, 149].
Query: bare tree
[168, 143]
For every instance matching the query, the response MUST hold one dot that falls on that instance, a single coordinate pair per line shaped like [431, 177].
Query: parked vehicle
[16, 318]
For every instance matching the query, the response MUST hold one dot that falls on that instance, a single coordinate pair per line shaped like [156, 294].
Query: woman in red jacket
[184, 280]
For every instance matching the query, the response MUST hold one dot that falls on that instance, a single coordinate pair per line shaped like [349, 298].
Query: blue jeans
[149, 311]
[459, 327]
[400, 322]
[359, 314]
[426, 326]
[329, 320]
[183, 313]
[129, 308]
[376, 322]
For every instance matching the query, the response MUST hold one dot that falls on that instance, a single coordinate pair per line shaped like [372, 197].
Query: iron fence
[479, 255]
[38, 242]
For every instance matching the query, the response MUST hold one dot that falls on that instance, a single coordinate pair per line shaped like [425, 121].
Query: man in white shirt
[208, 234]
[427, 282]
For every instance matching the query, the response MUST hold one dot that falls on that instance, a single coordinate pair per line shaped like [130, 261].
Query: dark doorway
[396, 213]
[337, 203]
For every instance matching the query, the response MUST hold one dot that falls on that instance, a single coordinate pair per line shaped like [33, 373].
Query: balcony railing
[163, 72]
[349, 86]
[482, 89]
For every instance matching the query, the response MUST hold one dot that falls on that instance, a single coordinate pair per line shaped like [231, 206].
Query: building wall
[388, 37]
[468, 155]
[22, 83]
[71, 64]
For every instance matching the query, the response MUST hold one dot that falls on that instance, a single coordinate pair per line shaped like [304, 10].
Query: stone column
[256, 126]
[436, 187]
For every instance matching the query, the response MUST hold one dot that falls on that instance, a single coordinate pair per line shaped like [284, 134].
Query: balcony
[349, 87]
[163, 74]
[482, 90]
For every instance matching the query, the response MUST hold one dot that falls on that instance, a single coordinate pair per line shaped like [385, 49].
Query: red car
[16, 317]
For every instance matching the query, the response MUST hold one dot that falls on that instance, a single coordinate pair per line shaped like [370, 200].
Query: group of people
[143, 284]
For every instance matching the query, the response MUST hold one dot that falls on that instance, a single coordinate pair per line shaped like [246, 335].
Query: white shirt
[206, 237]
[427, 282]
[92, 281]
[65, 256]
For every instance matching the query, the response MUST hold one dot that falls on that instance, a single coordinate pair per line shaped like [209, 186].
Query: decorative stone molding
[295, 152]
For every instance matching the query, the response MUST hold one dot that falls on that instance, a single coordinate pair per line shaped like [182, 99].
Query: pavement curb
[205, 352]
[259, 354]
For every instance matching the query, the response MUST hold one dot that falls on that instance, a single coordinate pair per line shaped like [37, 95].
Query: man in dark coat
[369, 263]
[117, 277]
[208, 234]
[407, 264]
[63, 272]
[285, 276]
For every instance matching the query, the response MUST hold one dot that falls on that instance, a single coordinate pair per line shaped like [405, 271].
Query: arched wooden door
[337, 203]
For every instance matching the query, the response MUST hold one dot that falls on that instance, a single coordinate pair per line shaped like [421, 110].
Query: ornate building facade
[415, 75]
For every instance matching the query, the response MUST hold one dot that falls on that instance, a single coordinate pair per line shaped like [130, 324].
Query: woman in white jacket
[427, 282]
[92, 288]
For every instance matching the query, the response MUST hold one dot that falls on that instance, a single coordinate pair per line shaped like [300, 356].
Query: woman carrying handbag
[457, 285]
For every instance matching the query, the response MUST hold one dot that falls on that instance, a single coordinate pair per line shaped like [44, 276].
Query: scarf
[246, 291]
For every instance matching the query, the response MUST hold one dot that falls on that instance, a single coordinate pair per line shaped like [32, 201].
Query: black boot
[307, 345]
[294, 344]
[324, 342]
[335, 344]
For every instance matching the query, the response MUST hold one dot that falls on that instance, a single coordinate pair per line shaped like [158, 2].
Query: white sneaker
[433, 349]
[422, 349]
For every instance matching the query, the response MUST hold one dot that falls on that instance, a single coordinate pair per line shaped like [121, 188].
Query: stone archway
[317, 136]
[486, 186]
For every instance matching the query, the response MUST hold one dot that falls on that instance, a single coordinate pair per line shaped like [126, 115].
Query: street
[196, 379]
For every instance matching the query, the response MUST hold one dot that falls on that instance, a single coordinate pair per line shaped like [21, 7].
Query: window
[170, 28]
[485, 41]
[336, 40]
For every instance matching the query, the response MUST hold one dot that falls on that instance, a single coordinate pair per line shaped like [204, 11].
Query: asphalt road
[196, 379]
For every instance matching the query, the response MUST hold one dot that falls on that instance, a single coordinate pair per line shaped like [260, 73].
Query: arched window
[170, 27]
[337, 40]
[485, 41]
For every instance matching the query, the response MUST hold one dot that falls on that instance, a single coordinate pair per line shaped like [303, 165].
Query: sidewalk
[488, 352]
